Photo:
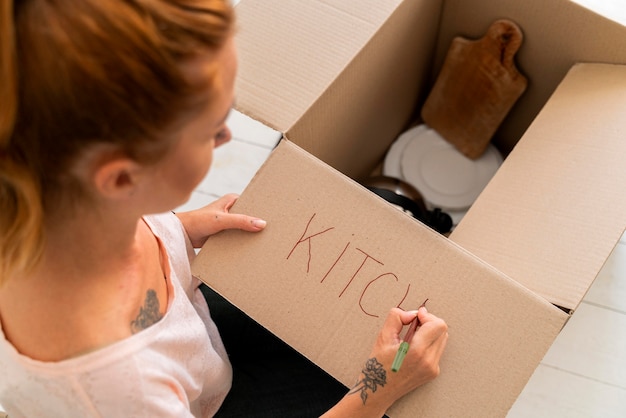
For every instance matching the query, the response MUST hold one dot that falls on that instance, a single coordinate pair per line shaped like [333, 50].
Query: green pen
[404, 346]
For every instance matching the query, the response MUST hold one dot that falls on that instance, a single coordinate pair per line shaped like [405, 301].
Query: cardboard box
[341, 79]
[333, 260]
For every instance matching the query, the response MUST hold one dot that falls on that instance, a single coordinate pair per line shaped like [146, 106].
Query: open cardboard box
[341, 79]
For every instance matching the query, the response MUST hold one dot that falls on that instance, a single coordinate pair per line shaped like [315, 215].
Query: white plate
[444, 176]
[391, 165]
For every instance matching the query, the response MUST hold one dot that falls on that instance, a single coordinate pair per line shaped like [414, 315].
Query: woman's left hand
[215, 217]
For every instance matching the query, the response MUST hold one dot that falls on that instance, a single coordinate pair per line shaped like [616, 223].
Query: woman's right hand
[378, 387]
[421, 363]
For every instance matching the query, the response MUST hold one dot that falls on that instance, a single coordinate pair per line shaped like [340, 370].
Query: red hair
[79, 72]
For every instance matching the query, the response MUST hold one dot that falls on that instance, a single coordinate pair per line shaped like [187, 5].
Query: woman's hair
[74, 73]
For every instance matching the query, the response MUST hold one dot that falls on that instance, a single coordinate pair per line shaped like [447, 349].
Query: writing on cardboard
[359, 269]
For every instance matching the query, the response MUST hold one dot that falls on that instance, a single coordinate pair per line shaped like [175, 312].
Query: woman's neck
[89, 243]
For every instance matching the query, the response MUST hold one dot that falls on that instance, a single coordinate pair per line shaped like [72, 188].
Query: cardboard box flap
[556, 208]
[335, 258]
[355, 120]
[291, 51]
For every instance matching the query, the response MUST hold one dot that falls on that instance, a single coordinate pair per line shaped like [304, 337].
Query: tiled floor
[582, 375]
[584, 372]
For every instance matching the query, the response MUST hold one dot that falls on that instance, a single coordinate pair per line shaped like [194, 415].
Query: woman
[110, 111]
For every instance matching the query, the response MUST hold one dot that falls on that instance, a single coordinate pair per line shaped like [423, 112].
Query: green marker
[404, 346]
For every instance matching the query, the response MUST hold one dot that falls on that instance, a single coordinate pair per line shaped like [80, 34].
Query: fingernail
[259, 223]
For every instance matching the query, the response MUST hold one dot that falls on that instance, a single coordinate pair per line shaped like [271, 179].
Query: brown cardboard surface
[341, 78]
[292, 51]
[556, 208]
[336, 76]
[334, 258]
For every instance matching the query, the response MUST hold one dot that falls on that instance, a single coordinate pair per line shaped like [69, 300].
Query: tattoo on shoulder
[374, 375]
[148, 314]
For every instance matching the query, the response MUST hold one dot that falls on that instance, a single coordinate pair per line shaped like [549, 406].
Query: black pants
[270, 378]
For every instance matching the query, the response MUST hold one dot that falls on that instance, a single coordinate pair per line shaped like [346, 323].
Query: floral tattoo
[373, 376]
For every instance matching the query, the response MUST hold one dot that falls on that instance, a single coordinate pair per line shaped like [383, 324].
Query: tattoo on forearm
[148, 314]
[374, 375]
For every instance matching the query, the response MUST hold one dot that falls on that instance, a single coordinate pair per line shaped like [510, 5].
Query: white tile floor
[582, 375]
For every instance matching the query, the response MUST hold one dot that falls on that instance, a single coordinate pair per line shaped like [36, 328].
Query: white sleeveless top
[177, 367]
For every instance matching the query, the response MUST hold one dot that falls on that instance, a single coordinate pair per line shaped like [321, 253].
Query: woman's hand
[421, 363]
[377, 387]
[214, 217]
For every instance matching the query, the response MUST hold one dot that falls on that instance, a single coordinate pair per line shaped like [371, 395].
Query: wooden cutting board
[477, 86]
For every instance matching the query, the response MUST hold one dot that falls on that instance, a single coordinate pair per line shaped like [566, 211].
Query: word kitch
[353, 268]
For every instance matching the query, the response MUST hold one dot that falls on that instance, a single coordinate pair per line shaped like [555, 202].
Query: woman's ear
[117, 178]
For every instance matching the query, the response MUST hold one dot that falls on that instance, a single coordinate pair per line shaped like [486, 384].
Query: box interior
[340, 85]
[342, 81]
[557, 35]
[555, 209]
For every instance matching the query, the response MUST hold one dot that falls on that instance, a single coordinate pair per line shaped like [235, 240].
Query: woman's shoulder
[50, 317]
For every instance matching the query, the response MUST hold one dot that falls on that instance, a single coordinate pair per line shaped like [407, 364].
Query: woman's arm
[377, 387]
